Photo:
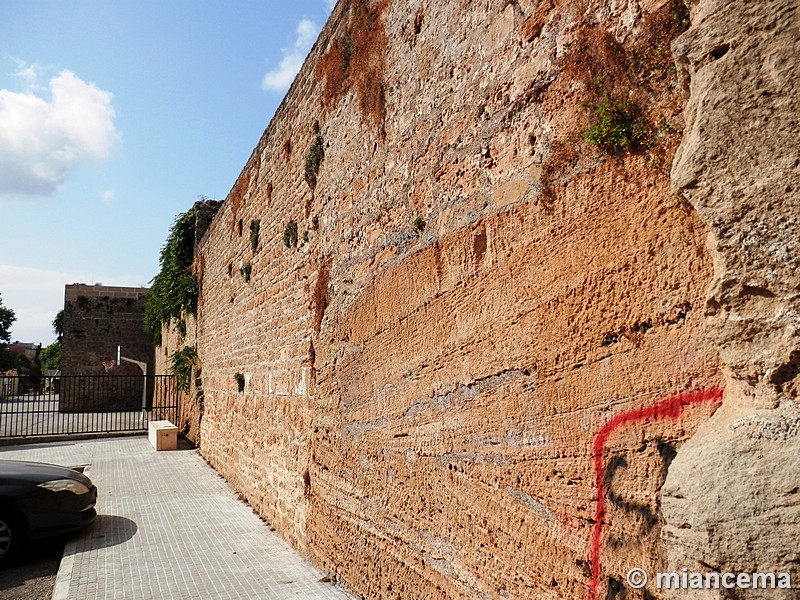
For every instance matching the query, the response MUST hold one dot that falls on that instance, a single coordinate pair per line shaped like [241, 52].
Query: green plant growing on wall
[668, 128]
[290, 234]
[585, 567]
[314, 157]
[348, 49]
[419, 224]
[239, 382]
[180, 327]
[255, 228]
[181, 365]
[618, 125]
[680, 15]
[174, 290]
[246, 270]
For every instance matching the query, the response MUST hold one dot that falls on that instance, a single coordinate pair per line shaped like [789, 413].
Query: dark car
[38, 500]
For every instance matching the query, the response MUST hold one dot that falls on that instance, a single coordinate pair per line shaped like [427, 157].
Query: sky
[115, 117]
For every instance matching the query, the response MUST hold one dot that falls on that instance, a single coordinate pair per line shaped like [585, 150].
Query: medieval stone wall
[97, 319]
[458, 359]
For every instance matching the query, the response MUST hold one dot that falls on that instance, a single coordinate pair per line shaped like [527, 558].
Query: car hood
[35, 472]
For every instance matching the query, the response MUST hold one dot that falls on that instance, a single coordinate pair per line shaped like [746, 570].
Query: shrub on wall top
[173, 292]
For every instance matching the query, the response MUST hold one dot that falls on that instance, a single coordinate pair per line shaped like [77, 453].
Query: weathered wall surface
[469, 368]
[732, 499]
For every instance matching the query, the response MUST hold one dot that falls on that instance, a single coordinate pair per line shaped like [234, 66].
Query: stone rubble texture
[475, 290]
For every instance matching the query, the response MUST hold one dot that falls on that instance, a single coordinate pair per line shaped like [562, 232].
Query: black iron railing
[79, 404]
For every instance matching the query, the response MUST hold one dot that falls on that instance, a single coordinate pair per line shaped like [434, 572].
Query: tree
[8, 359]
[58, 324]
[173, 292]
[50, 357]
[25, 367]
[7, 317]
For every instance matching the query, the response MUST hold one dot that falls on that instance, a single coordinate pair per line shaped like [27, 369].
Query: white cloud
[36, 295]
[108, 196]
[279, 78]
[28, 73]
[42, 142]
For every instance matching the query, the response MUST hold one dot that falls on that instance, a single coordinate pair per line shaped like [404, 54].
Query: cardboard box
[163, 435]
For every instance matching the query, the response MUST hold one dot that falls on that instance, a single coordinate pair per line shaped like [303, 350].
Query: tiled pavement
[169, 527]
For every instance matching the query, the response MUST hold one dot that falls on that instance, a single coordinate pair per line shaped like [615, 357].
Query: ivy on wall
[182, 362]
[314, 158]
[173, 292]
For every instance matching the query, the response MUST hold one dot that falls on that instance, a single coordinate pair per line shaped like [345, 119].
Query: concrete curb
[64, 575]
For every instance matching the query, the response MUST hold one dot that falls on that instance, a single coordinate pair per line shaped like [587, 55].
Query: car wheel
[10, 536]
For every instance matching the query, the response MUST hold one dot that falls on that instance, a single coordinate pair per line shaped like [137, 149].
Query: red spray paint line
[670, 408]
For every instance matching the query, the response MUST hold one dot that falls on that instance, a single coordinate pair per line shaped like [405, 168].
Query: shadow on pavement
[107, 531]
[31, 575]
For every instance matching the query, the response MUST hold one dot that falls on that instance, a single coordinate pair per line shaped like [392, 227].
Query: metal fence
[81, 404]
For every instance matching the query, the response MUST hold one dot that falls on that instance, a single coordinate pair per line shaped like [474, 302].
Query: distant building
[10, 381]
[29, 351]
[9, 384]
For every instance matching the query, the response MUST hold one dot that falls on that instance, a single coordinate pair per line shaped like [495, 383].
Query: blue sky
[114, 118]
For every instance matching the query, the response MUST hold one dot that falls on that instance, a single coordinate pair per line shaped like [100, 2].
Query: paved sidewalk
[169, 527]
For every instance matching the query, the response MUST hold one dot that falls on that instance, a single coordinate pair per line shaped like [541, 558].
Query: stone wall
[732, 499]
[472, 344]
[97, 319]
